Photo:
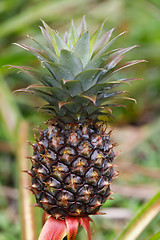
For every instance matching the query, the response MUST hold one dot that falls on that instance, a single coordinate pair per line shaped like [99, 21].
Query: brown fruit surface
[72, 168]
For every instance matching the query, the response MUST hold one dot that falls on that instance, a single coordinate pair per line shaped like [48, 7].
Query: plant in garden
[72, 162]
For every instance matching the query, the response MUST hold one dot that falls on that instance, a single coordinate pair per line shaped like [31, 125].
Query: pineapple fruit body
[72, 168]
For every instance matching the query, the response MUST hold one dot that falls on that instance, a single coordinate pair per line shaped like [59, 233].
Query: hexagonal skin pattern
[72, 168]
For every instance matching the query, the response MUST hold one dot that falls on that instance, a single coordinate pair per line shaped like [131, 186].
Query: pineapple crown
[77, 79]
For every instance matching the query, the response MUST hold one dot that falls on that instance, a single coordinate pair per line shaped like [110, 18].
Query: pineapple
[72, 162]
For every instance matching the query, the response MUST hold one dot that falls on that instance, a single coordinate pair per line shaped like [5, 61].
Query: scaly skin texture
[72, 168]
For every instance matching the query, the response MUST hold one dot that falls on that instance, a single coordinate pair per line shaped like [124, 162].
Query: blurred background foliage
[137, 129]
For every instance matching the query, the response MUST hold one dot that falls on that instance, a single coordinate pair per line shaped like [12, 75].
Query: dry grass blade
[27, 215]
[142, 219]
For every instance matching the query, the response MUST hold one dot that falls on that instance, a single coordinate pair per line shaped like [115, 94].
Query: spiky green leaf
[128, 64]
[44, 78]
[106, 96]
[72, 107]
[97, 60]
[78, 84]
[50, 54]
[73, 34]
[70, 61]
[82, 48]
[87, 78]
[47, 38]
[57, 41]
[37, 53]
[116, 57]
[104, 39]
[73, 87]
[82, 28]
[95, 38]
[82, 100]
[98, 88]
[59, 71]
[59, 94]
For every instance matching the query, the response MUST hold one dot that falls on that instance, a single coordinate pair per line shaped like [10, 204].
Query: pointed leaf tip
[61, 104]
[91, 98]
[82, 28]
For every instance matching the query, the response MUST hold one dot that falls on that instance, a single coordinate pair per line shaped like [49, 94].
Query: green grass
[141, 20]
